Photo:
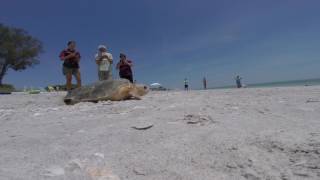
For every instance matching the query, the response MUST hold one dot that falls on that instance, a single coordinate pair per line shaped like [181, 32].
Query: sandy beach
[258, 133]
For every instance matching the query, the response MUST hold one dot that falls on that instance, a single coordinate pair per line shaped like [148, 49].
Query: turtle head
[140, 89]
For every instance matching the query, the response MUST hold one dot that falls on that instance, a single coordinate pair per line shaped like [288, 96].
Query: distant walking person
[238, 81]
[125, 68]
[204, 81]
[71, 58]
[104, 62]
[186, 85]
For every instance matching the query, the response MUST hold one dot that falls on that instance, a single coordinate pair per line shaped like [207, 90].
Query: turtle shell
[101, 90]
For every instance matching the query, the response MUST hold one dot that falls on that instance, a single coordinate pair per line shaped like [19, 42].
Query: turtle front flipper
[134, 95]
[67, 101]
[70, 101]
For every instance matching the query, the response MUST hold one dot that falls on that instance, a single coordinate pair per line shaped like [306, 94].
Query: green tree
[18, 50]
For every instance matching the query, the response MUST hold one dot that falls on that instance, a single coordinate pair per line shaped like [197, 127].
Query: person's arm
[63, 56]
[98, 59]
[129, 63]
[110, 58]
[104, 56]
[77, 55]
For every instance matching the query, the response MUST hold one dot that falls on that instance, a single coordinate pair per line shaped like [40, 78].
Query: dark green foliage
[6, 88]
[18, 50]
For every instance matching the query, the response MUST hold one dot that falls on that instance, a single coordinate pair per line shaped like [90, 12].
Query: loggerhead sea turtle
[113, 90]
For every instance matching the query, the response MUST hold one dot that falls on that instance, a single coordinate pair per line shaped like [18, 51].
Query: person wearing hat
[104, 62]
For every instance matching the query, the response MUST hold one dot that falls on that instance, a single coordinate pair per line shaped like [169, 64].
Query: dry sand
[266, 133]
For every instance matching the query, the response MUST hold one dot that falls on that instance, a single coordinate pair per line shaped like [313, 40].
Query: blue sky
[168, 40]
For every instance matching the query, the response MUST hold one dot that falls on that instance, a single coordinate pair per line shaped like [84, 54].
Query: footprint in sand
[198, 119]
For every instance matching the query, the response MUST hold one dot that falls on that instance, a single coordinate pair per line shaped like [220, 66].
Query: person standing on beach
[204, 81]
[186, 85]
[238, 81]
[104, 62]
[125, 68]
[71, 58]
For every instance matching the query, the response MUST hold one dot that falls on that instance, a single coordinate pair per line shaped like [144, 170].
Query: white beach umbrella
[155, 85]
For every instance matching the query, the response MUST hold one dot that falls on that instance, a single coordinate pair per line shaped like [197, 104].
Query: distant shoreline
[290, 83]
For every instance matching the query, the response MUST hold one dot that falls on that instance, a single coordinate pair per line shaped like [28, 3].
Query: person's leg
[68, 81]
[103, 75]
[100, 77]
[78, 77]
[130, 78]
[125, 77]
[106, 75]
[110, 72]
[121, 77]
[68, 74]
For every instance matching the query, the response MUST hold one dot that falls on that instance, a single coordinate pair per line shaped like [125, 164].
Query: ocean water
[305, 82]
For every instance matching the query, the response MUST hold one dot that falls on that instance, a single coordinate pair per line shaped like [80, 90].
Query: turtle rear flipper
[93, 101]
[67, 101]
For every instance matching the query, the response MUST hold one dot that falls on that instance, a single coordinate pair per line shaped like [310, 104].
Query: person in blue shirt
[238, 81]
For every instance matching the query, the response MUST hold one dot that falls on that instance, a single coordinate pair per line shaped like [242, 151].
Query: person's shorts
[72, 71]
[104, 75]
[129, 77]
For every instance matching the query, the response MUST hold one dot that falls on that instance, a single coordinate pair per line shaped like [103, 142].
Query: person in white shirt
[104, 62]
